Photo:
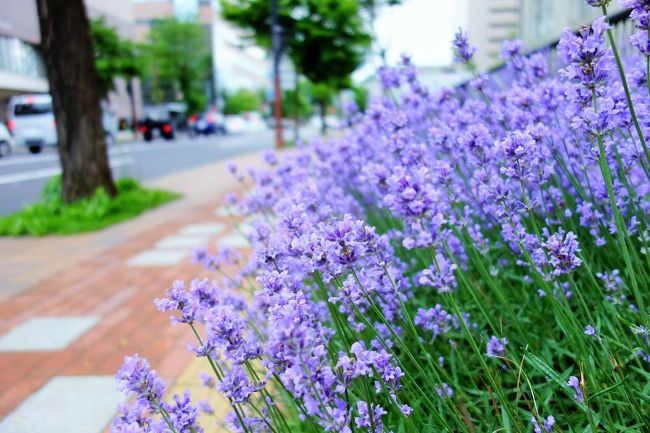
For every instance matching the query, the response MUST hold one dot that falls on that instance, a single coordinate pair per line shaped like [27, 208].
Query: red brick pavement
[104, 285]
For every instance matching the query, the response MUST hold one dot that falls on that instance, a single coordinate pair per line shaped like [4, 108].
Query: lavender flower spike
[463, 50]
[496, 348]
[562, 252]
[575, 384]
[598, 3]
[136, 376]
[547, 427]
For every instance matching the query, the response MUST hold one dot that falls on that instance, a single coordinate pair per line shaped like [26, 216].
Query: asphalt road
[22, 176]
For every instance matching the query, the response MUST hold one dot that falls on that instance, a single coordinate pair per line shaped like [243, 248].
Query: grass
[52, 216]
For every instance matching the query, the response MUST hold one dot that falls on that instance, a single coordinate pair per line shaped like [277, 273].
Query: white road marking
[48, 172]
[28, 159]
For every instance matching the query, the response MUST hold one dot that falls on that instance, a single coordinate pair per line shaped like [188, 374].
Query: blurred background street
[23, 175]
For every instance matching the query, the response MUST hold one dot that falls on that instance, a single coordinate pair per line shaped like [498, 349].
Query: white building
[536, 22]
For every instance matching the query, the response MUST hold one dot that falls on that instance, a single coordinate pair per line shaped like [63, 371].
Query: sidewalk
[72, 307]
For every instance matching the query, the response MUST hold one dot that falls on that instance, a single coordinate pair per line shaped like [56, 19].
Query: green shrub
[52, 216]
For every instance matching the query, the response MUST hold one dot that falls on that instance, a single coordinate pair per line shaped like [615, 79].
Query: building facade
[489, 23]
[542, 21]
[21, 67]
[535, 22]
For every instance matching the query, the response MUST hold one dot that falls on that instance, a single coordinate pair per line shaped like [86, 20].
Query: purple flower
[590, 331]
[463, 50]
[363, 420]
[575, 384]
[590, 61]
[136, 376]
[444, 391]
[205, 407]
[440, 276]
[182, 414]
[547, 427]
[436, 320]
[496, 348]
[641, 16]
[179, 301]
[270, 157]
[236, 387]
[562, 250]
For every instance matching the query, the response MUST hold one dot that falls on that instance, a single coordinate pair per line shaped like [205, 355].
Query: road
[22, 176]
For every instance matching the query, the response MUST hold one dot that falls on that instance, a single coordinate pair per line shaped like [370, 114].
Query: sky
[421, 28]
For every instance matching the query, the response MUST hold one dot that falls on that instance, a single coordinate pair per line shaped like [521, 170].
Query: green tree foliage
[322, 94]
[241, 101]
[299, 102]
[180, 59]
[360, 97]
[114, 56]
[326, 40]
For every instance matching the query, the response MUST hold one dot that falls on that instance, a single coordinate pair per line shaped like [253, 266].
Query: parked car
[209, 123]
[235, 123]
[254, 121]
[6, 141]
[31, 121]
[150, 128]
[162, 120]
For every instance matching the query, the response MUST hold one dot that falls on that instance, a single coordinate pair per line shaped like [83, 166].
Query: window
[505, 10]
[31, 109]
[502, 25]
[20, 58]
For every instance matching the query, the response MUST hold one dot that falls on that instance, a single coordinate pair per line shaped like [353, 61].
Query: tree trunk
[67, 51]
[323, 123]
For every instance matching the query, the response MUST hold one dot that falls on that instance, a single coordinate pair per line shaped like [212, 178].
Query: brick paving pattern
[114, 286]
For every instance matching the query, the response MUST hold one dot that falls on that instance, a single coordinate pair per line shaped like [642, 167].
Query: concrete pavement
[22, 176]
[72, 307]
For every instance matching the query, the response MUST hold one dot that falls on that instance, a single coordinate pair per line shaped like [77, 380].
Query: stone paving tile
[46, 333]
[233, 240]
[222, 211]
[81, 404]
[183, 241]
[107, 285]
[158, 258]
[203, 229]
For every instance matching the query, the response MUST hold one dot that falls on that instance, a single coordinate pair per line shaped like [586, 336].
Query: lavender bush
[466, 261]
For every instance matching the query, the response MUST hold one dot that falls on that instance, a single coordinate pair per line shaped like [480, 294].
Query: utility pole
[276, 42]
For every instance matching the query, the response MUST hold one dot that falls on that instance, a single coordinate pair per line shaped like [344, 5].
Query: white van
[31, 121]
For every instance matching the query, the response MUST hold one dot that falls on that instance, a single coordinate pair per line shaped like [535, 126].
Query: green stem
[628, 97]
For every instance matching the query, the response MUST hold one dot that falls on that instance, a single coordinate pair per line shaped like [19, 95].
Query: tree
[298, 105]
[242, 100]
[116, 57]
[322, 95]
[180, 57]
[325, 39]
[67, 50]
[360, 97]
